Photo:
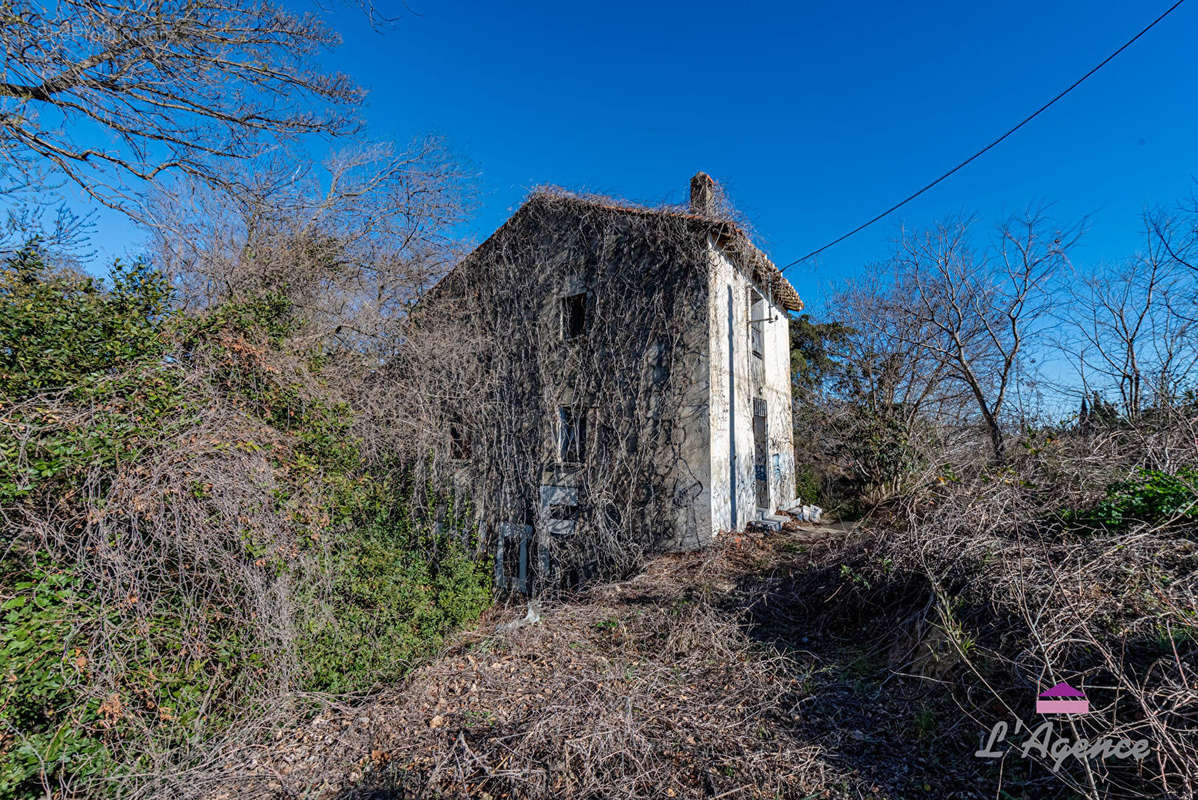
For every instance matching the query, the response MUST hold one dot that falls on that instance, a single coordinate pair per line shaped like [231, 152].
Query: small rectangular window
[562, 512]
[574, 316]
[659, 361]
[459, 442]
[757, 320]
[572, 434]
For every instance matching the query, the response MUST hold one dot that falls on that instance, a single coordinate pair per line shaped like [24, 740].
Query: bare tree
[1176, 234]
[136, 90]
[888, 369]
[974, 310]
[350, 243]
[56, 228]
[873, 418]
[1133, 326]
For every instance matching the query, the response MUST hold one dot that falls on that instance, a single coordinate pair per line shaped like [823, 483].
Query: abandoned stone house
[621, 384]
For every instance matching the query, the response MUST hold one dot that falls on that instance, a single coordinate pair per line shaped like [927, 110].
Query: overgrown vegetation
[645, 688]
[1008, 541]
[1150, 497]
[196, 532]
[987, 590]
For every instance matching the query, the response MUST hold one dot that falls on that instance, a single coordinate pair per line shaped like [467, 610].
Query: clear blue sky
[814, 116]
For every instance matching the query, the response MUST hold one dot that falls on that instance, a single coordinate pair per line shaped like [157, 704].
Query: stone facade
[633, 386]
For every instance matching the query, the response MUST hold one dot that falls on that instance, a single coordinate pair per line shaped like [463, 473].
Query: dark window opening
[459, 442]
[574, 316]
[660, 362]
[757, 319]
[563, 512]
[572, 423]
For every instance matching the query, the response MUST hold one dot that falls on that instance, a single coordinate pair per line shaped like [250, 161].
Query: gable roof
[728, 235]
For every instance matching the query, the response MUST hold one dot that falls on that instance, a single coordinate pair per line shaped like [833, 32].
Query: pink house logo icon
[1062, 699]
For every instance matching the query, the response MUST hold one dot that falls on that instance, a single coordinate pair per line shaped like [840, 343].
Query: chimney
[702, 195]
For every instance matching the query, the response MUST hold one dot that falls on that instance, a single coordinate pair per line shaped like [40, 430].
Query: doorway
[761, 453]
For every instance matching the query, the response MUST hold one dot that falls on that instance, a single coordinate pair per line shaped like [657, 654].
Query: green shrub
[807, 485]
[374, 573]
[141, 406]
[391, 605]
[42, 670]
[58, 328]
[1150, 496]
[882, 455]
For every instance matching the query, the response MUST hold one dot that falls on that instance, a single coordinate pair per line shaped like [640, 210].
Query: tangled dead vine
[640, 688]
[485, 368]
[986, 587]
[202, 513]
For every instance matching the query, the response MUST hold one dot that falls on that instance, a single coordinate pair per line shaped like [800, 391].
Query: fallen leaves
[676, 705]
[111, 710]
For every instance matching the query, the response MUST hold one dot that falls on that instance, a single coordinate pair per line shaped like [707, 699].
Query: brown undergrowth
[862, 662]
[645, 688]
[1076, 562]
[693, 679]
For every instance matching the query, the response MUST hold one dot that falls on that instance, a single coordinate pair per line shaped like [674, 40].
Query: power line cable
[990, 146]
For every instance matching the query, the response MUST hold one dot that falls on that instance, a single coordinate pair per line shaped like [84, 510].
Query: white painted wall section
[732, 391]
